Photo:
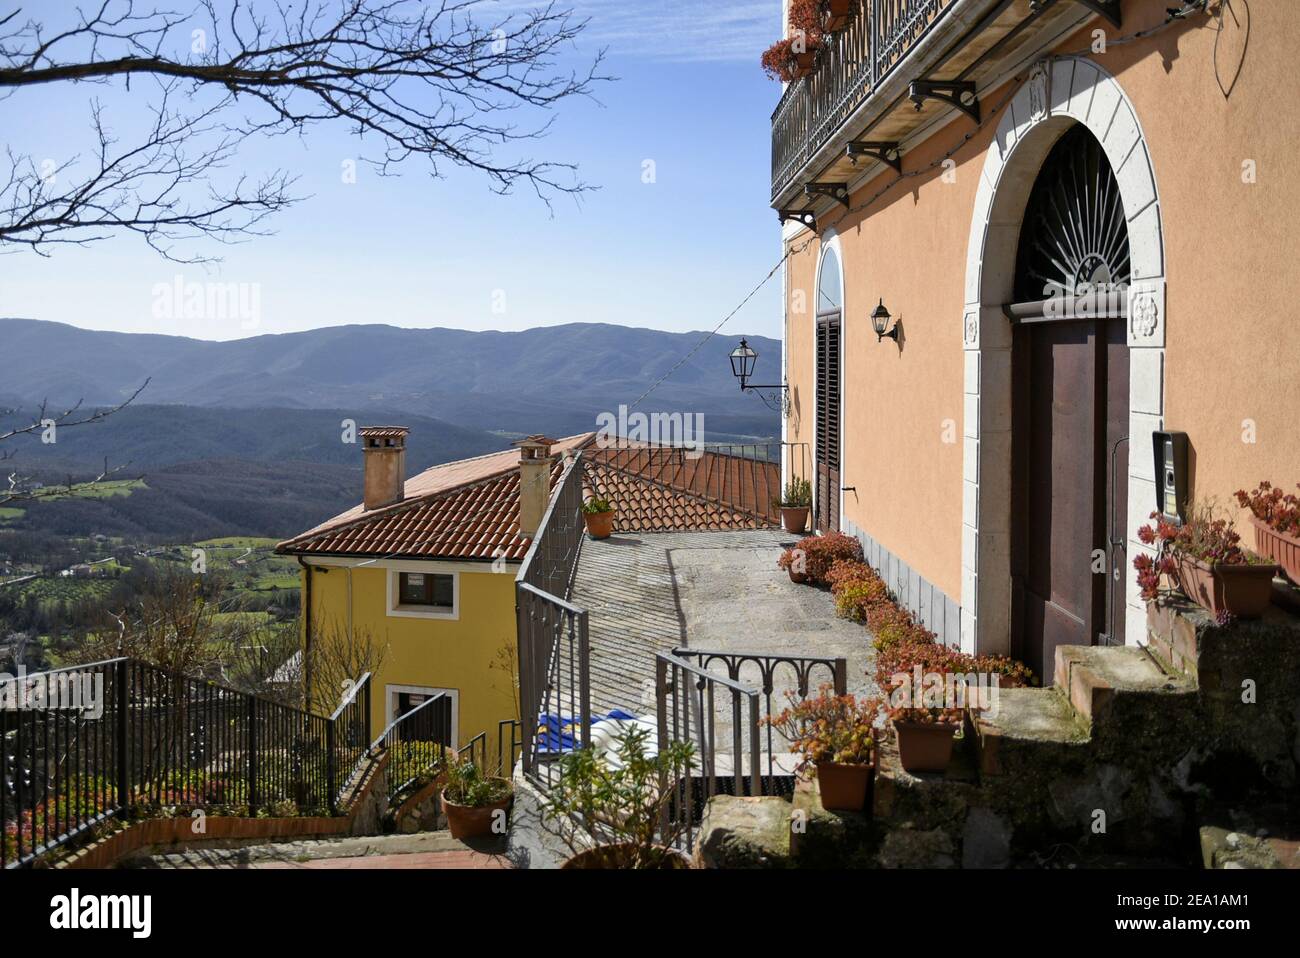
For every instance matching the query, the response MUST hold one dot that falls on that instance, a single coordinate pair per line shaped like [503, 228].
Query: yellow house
[425, 569]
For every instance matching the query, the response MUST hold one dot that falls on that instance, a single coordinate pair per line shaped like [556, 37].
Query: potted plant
[836, 14]
[925, 721]
[615, 811]
[475, 804]
[1204, 556]
[794, 505]
[1276, 518]
[836, 735]
[598, 514]
[796, 55]
[813, 556]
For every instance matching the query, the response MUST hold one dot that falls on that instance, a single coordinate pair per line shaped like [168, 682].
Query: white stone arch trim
[1059, 93]
[829, 241]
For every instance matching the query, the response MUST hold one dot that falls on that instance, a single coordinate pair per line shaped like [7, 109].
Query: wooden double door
[1069, 486]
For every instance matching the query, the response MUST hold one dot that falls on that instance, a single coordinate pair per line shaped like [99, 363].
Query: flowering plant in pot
[794, 57]
[924, 726]
[1276, 518]
[615, 811]
[475, 804]
[836, 735]
[813, 556]
[794, 505]
[1204, 556]
[598, 514]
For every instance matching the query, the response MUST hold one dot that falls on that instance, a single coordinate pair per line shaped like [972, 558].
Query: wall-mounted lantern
[880, 322]
[743, 360]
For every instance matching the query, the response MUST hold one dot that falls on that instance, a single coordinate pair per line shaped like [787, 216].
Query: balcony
[862, 86]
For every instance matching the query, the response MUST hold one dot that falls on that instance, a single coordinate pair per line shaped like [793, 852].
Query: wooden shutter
[828, 420]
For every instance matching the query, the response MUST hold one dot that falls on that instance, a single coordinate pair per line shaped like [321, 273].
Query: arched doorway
[1060, 95]
[829, 381]
[1070, 411]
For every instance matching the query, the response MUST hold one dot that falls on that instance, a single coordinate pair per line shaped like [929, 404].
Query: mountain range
[260, 421]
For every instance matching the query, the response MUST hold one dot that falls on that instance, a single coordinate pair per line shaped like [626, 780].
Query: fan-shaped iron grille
[1074, 239]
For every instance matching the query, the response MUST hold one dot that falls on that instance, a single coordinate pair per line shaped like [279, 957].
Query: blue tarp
[557, 734]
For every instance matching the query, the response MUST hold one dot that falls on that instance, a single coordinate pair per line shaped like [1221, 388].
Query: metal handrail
[351, 696]
[853, 65]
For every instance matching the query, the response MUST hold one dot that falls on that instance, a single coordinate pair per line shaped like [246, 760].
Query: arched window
[828, 282]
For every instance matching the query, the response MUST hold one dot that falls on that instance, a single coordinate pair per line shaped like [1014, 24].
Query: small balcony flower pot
[1282, 548]
[623, 856]
[925, 747]
[844, 788]
[837, 15]
[600, 525]
[468, 821]
[804, 63]
[1243, 591]
[794, 519]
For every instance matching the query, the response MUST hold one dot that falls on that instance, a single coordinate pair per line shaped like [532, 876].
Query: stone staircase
[1133, 756]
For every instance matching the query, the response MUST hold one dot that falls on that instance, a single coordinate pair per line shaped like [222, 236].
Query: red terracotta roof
[469, 510]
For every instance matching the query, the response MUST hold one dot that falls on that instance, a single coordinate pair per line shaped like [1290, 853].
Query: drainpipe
[306, 630]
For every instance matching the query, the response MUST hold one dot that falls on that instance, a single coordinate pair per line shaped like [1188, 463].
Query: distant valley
[245, 437]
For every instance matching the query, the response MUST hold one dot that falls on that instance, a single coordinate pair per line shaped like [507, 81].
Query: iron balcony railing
[154, 738]
[719, 701]
[849, 68]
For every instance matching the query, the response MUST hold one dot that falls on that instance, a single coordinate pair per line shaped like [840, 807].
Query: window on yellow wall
[427, 589]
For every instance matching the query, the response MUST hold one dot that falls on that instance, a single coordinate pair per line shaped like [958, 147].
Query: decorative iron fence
[554, 651]
[84, 744]
[724, 716]
[743, 477]
[849, 69]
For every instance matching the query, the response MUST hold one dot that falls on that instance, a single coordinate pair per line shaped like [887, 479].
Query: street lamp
[743, 359]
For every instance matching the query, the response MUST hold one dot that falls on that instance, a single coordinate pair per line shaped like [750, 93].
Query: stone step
[1095, 678]
[212, 855]
[1026, 729]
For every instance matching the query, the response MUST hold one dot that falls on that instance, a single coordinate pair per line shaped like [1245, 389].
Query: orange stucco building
[1082, 218]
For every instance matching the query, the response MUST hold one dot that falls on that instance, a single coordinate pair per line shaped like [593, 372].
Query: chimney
[534, 482]
[385, 460]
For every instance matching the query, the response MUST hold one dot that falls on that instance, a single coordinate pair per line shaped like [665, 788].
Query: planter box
[1278, 546]
[844, 788]
[923, 747]
[1240, 590]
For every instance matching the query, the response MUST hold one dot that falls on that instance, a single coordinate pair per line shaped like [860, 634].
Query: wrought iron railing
[742, 477]
[151, 737]
[850, 67]
[554, 652]
[416, 743]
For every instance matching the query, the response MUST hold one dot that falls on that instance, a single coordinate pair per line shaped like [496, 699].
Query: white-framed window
[424, 594]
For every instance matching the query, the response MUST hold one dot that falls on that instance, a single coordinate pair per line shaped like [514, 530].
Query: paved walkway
[650, 592]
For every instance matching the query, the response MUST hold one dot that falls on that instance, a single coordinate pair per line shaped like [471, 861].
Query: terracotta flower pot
[798, 578]
[844, 788]
[466, 821]
[599, 524]
[924, 747]
[794, 519]
[620, 856]
[1240, 590]
[837, 15]
[1281, 548]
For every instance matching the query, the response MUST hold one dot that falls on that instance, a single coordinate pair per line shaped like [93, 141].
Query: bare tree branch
[424, 80]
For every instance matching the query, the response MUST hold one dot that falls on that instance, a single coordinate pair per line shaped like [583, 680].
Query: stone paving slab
[649, 592]
[422, 850]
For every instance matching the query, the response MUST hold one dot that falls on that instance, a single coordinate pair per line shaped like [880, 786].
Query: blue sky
[675, 254]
